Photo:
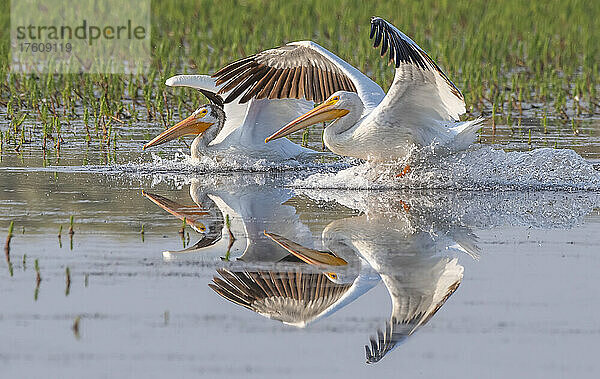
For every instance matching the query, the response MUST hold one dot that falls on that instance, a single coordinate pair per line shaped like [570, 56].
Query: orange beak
[308, 255]
[322, 113]
[189, 126]
[191, 214]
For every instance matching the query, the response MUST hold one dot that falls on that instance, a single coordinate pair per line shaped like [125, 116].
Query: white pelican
[421, 108]
[235, 128]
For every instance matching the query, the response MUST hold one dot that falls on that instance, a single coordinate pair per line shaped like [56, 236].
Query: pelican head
[335, 107]
[208, 117]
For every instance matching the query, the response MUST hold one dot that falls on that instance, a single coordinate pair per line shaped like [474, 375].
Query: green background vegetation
[502, 54]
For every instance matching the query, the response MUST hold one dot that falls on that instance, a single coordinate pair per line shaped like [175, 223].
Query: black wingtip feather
[384, 43]
[377, 38]
[402, 50]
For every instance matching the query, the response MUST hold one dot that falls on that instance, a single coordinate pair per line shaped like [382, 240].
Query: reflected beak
[322, 113]
[191, 214]
[310, 256]
[189, 126]
[198, 246]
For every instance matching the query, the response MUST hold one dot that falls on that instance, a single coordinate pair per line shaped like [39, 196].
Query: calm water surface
[417, 283]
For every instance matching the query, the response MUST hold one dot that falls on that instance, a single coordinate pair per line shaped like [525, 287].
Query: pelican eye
[200, 113]
[332, 276]
[335, 98]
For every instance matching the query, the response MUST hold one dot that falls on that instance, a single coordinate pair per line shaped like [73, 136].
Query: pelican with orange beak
[205, 123]
[234, 128]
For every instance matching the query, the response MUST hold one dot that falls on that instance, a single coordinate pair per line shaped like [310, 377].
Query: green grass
[502, 54]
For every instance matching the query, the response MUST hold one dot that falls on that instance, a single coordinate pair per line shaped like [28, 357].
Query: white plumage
[248, 124]
[280, 86]
[421, 107]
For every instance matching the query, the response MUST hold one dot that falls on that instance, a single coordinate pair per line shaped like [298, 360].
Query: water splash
[184, 164]
[480, 168]
[431, 209]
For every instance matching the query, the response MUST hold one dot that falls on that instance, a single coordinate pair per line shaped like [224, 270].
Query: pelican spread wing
[289, 71]
[296, 70]
[293, 297]
[420, 92]
[414, 303]
[306, 70]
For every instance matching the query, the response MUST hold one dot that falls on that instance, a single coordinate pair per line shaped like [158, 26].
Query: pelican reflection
[241, 207]
[203, 217]
[409, 242]
[417, 265]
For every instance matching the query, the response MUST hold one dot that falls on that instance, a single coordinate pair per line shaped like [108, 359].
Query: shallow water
[495, 281]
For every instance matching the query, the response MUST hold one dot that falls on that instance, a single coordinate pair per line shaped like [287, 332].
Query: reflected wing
[420, 92]
[414, 304]
[296, 70]
[292, 297]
